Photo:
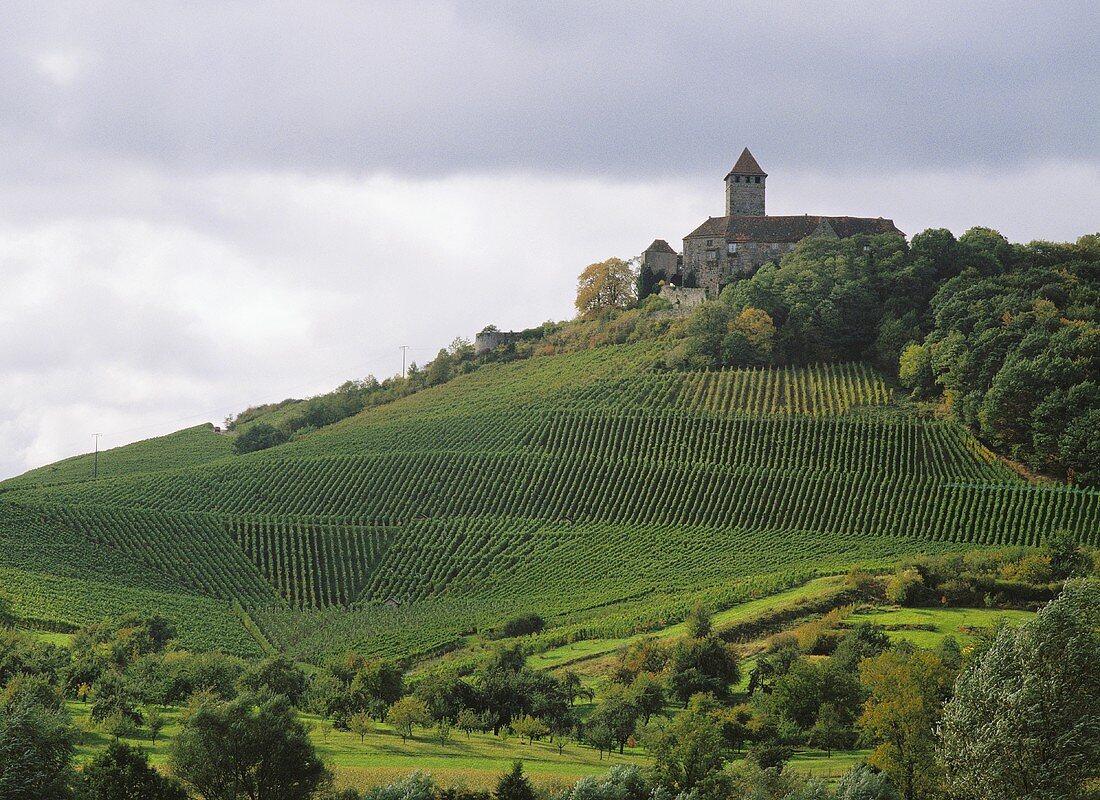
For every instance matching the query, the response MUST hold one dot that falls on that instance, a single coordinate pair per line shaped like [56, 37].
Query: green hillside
[187, 448]
[597, 488]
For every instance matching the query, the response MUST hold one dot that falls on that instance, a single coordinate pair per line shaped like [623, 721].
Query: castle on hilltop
[743, 240]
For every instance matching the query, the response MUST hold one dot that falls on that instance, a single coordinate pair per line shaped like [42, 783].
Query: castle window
[731, 248]
[758, 179]
[736, 178]
[712, 255]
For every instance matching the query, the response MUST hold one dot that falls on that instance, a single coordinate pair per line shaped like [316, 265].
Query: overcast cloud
[208, 205]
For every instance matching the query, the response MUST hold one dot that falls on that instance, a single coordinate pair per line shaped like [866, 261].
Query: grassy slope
[585, 486]
[189, 447]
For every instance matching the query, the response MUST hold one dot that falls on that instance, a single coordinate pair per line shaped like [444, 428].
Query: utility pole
[404, 349]
[95, 459]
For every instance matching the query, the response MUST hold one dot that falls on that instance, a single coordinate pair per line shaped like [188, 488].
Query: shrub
[522, 625]
[905, 586]
[258, 437]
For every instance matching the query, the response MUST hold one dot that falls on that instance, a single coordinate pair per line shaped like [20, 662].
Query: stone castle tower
[745, 188]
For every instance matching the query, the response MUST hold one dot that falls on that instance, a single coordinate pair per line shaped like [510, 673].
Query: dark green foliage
[522, 625]
[112, 695]
[835, 300]
[259, 436]
[122, 772]
[277, 675]
[36, 686]
[648, 283]
[22, 653]
[507, 690]
[370, 685]
[1015, 344]
[514, 785]
[865, 640]
[698, 622]
[1066, 557]
[769, 755]
[247, 748]
[36, 750]
[619, 715]
[705, 666]
[1023, 722]
[448, 696]
[691, 749]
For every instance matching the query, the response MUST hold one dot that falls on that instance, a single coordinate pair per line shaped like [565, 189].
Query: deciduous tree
[605, 285]
[907, 690]
[1025, 719]
[406, 714]
[247, 750]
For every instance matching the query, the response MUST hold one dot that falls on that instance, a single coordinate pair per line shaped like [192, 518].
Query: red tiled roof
[788, 229]
[746, 165]
[660, 246]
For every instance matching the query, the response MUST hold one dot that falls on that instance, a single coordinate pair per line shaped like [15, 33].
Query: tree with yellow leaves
[907, 691]
[605, 285]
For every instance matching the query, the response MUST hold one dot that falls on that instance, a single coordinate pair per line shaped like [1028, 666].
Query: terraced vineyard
[562, 485]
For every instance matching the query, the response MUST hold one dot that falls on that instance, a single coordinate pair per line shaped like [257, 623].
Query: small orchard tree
[698, 622]
[443, 732]
[829, 731]
[111, 695]
[605, 285]
[118, 726]
[530, 727]
[600, 735]
[360, 724]
[155, 722]
[406, 714]
[469, 721]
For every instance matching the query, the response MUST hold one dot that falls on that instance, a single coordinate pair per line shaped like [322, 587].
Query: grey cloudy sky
[207, 205]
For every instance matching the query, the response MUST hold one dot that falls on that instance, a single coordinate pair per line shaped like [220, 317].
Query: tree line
[1031, 691]
[1004, 337]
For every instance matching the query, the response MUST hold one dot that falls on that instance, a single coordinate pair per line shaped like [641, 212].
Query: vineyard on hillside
[187, 448]
[560, 485]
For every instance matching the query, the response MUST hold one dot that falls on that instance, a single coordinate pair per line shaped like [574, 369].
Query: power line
[95, 461]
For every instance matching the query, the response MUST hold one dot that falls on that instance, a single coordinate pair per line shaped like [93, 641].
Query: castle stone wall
[682, 298]
[714, 266]
[487, 341]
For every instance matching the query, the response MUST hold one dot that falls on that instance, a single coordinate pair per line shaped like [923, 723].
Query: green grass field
[902, 624]
[589, 649]
[475, 761]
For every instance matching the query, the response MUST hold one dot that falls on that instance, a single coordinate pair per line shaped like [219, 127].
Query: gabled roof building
[739, 243]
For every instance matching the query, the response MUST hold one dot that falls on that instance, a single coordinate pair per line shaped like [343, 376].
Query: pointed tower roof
[746, 165]
[660, 246]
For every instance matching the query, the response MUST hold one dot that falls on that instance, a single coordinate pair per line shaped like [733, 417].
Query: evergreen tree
[514, 785]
